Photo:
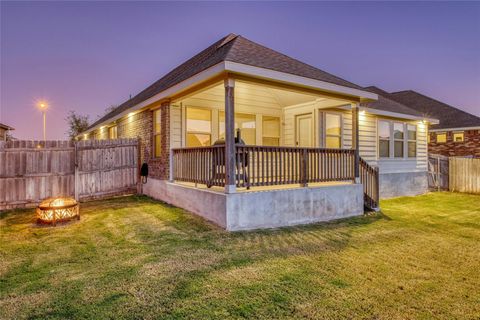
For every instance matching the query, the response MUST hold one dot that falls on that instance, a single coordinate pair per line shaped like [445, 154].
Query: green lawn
[137, 258]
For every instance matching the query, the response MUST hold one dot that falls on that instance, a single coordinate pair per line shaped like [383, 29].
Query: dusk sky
[88, 56]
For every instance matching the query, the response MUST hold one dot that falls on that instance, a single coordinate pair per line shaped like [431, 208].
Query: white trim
[455, 129]
[184, 85]
[296, 80]
[322, 121]
[394, 114]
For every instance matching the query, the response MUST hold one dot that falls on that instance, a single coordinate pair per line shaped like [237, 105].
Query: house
[457, 134]
[4, 129]
[249, 138]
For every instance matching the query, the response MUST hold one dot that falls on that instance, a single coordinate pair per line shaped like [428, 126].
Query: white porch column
[230, 181]
[355, 140]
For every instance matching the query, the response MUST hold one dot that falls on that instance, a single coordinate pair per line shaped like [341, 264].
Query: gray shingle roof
[235, 49]
[449, 116]
[387, 104]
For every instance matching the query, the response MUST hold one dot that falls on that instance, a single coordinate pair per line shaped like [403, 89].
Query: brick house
[250, 138]
[457, 134]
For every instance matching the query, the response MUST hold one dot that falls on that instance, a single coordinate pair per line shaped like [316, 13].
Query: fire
[53, 210]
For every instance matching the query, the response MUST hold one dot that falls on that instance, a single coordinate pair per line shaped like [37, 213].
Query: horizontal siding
[176, 126]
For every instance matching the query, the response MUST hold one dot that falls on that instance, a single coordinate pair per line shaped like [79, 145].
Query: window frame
[392, 139]
[441, 133]
[110, 129]
[279, 129]
[235, 129]
[410, 140]
[210, 133]
[459, 132]
[396, 139]
[155, 134]
[324, 128]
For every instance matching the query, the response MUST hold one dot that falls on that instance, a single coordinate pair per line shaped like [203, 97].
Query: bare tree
[107, 111]
[76, 124]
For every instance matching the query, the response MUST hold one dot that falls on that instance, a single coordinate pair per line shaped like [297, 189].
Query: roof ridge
[227, 39]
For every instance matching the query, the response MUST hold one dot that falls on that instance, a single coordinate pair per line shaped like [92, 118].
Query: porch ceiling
[254, 94]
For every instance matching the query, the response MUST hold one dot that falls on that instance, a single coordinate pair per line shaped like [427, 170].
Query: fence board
[465, 175]
[34, 170]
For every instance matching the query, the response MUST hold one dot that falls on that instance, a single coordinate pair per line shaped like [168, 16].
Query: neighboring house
[4, 129]
[302, 128]
[457, 134]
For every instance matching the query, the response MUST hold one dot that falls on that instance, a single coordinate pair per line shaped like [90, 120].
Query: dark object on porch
[218, 164]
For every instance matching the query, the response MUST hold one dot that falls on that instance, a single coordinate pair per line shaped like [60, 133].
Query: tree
[76, 124]
[107, 110]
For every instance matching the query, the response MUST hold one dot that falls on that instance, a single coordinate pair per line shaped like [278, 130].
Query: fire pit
[53, 210]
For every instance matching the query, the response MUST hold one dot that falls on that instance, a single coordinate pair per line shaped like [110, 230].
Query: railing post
[170, 173]
[305, 167]
[355, 143]
[230, 177]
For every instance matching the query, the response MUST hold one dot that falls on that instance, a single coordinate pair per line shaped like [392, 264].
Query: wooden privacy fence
[438, 175]
[464, 175]
[34, 170]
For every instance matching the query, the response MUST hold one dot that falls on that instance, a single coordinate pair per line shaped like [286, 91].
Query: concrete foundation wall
[208, 204]
[262, 209]
[278, 208]
[403, 184]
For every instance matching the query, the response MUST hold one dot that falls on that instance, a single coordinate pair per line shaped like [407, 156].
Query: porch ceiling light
[53, 210]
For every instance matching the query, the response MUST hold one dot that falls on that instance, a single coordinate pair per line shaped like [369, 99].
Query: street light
[42, 105]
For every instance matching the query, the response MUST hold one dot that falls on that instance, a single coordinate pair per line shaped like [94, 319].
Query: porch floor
[264, 188]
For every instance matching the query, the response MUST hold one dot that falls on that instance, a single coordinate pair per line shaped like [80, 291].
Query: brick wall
[469, 147]
[159, 167]
[140, 125]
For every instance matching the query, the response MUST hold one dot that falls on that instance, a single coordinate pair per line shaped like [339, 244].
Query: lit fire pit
[53, 210]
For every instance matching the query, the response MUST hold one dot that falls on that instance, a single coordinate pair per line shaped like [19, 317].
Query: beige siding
[176, 126]
[367, 137]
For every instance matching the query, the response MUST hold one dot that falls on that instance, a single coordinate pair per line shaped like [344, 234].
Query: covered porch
[244, 134]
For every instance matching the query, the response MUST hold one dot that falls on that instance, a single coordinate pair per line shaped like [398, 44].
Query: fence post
[438, 173]
[75, 164]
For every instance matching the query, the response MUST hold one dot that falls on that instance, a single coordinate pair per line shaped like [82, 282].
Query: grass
[137, 258]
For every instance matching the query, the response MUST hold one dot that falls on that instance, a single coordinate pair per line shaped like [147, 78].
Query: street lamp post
[43, 107]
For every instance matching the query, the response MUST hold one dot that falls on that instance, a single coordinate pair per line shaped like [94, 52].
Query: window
[244, 122]
[271, 131]
[398, 136]
[412, 140]
[458, 137]
[333, 130]
[384, 139]
[157, 132]
[199, 127]
[441, 137]
[396, 139]
[112, 132]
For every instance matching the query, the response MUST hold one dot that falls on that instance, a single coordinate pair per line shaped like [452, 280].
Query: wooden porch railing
[202, 165]
[263, 165]
[267, 166]
[370, 179]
